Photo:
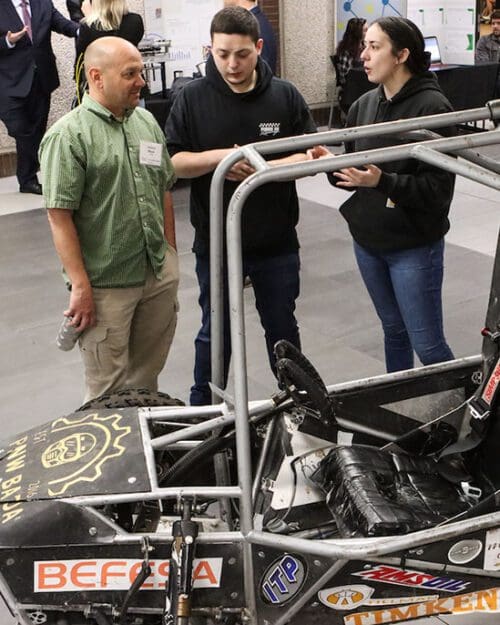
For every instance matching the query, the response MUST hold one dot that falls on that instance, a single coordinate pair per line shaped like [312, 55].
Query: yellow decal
[86, 443]
[480, 601]
[10, 489]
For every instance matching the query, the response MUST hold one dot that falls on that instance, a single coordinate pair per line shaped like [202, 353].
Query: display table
[465, 86]
[159, 106]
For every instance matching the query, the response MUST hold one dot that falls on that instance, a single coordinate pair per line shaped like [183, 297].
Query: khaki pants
[135, 326]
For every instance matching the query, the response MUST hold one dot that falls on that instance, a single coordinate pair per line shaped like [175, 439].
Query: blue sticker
[283, 579]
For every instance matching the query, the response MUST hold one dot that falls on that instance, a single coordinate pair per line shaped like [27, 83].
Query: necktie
[26, 17]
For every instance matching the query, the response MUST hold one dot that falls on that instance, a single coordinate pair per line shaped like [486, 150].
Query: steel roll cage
[434, 152]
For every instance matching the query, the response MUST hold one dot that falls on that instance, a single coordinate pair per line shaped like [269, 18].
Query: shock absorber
[180, 576]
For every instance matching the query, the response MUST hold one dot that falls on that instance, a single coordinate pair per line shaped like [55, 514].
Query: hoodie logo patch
[269, 129]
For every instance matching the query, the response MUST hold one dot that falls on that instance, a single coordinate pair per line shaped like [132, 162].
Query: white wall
[186, 23]
[307, 43]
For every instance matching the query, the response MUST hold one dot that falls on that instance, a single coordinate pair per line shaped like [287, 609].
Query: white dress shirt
[17, 5]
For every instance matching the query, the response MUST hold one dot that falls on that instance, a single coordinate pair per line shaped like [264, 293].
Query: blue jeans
[405, 287]
[276, 285]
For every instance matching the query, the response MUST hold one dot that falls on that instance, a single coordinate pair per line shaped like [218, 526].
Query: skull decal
[69, 449]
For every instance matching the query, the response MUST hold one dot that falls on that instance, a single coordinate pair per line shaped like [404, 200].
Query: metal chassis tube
[255, 151]
[340, 550]
[428, 151]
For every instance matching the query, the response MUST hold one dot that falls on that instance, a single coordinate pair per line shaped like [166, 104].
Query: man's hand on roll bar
[242, 169]
[239, 171]
[318, 151]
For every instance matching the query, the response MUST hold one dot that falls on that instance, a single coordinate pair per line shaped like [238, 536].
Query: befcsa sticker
[283, 579]
[107, 574]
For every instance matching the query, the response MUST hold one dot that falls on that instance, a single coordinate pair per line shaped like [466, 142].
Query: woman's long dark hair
[403, 33]
[353, 37]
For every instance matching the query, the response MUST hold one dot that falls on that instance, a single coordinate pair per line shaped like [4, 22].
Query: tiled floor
[339, 328]
[340, 331]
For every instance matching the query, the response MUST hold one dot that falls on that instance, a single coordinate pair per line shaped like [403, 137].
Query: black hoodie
[207, 115]
[409, 208]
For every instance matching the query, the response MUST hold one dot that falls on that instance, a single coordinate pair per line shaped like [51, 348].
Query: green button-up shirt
[92, 164]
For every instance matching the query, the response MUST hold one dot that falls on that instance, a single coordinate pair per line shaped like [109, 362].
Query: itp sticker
[283, 579]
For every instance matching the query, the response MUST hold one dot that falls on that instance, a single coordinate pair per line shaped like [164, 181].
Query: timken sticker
[485, 601]
[104, 574]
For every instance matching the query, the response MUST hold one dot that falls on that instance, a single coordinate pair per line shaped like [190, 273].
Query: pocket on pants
[105, 353]
[91, 342]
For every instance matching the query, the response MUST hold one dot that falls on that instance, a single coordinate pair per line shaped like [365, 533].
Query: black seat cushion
[376, 493]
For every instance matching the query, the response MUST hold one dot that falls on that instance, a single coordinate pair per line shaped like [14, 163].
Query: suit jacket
[74, 9]
[17, 64]
[270, 49]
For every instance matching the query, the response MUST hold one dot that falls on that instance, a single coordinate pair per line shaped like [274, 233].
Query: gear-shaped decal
[86, 443]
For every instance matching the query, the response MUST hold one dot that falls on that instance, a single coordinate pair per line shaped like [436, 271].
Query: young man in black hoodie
[238, 102]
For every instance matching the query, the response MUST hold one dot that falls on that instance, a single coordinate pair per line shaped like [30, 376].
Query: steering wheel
[285, 349]
[305, 390]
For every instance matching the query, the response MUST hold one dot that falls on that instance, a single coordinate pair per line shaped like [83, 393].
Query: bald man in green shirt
[106, 180]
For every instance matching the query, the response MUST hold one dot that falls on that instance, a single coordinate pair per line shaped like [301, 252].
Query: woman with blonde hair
[108, 17]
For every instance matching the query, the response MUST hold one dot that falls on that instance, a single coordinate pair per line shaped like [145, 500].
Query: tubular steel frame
[434, 152]
[339, 550]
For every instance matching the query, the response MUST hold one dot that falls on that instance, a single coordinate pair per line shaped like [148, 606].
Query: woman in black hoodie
[398, 213]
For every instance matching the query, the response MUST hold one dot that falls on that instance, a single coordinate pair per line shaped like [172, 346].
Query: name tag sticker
[150, 153]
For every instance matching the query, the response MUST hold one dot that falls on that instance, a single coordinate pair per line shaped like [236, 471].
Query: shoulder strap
[479, 409]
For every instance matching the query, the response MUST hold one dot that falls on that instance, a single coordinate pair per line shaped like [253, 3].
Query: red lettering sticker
[108, 574]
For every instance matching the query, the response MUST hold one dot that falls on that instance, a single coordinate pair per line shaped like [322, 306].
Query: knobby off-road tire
[131, 398]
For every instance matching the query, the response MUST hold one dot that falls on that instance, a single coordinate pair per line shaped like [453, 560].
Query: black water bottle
[67, 335]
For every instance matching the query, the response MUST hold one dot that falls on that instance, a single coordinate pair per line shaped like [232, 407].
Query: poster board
[453, 22]
[368, 9]
[186, 23]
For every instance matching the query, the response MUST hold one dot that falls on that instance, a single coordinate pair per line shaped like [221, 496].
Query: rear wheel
[146, 514]
[131, 398]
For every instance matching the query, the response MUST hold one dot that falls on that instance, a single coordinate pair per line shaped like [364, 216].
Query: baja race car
[374, 501]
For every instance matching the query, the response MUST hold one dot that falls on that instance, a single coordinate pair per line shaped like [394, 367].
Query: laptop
[432, 46]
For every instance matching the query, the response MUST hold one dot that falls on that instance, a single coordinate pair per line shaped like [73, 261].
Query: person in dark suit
[28, 75]
[75, 10]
